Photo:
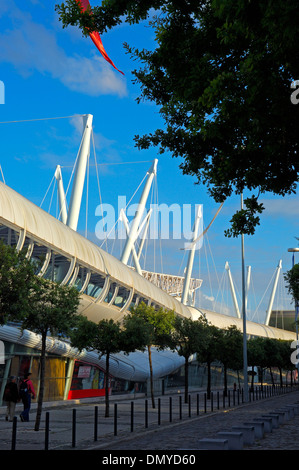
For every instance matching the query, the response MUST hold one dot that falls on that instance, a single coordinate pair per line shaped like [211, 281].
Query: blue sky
[50, 72]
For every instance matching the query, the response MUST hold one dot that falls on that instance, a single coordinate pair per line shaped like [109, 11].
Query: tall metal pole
[272, 296]
[293, 250]
[245, 362]
[186, 288]
[61, 195]
[78, 184]
[232, 288]
[247, 283]
[141, 206]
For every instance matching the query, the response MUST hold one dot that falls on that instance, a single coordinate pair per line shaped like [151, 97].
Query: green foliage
[292, 279]
[16, 281]
[105, 337]
[52, 308]
[155, 325]
[154, 329]
[188, 337]
[221, 75]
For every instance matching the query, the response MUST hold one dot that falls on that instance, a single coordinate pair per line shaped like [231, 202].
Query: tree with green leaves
[157, 328]
[222, 74]
[105, 337]
[231, 351]
[272, 355]
[292, 280]
[16, 281]
[208, 352]
[188, 337]
[52, 308]
[256, 357]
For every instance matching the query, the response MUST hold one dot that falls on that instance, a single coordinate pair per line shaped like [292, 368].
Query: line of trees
[47, 307]
[144, 328]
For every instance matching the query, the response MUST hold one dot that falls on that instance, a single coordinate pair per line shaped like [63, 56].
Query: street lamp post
[245, 362]
[294, 250]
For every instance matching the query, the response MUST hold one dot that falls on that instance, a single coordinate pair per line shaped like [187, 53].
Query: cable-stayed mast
[78, 184]
[272, 296]
[132, 236]
[186, 289]
[61, 195]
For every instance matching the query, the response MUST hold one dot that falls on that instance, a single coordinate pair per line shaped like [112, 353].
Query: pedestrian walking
[11, 396]
[26, 392]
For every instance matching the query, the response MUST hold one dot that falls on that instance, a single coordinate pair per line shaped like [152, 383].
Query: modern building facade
[108, 289]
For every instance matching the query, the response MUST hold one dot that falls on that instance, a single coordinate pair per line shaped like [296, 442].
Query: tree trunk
[42, 383]
[280, 376]
[107, 387]
[151, 375]
[186, 378]
[272, 376]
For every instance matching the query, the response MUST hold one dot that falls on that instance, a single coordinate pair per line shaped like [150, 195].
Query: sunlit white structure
[108, 287]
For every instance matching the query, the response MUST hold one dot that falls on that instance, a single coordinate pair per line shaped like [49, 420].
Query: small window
[95, 285]
[58, 268]
[122, 296]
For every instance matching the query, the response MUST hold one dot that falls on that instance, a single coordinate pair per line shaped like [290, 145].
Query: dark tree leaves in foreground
[221, 75]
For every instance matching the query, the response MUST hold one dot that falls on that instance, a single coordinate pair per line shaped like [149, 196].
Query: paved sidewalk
[173, 430]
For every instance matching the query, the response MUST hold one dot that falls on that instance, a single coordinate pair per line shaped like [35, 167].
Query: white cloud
[30, 46]
[285, 207]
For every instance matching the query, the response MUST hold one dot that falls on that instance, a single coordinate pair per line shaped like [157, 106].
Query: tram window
[79, 282]
[8, 235]
[135, 301]
[122, 296]
[58, 268]
[95, 285]
[38, 256]
[111, 291]
[144, 300]
[27, 246]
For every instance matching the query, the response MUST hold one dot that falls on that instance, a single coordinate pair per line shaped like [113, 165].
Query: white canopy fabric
[22, 215]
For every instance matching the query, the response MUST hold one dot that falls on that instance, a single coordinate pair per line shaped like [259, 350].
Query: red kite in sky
[96, 37]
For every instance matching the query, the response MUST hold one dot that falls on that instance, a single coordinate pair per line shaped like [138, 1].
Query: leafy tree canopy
[221, 75]
[292, 280]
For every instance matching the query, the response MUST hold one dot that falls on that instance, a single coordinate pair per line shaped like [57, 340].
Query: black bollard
[47, 431]
[159, 411]
[74, 429]
[14, 434]
[132, 416]
[180, 405]
[146, 413]
[95, 435]
[115, 419]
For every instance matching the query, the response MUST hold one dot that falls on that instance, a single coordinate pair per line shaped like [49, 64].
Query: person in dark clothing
[26, 395]
[11, 396]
